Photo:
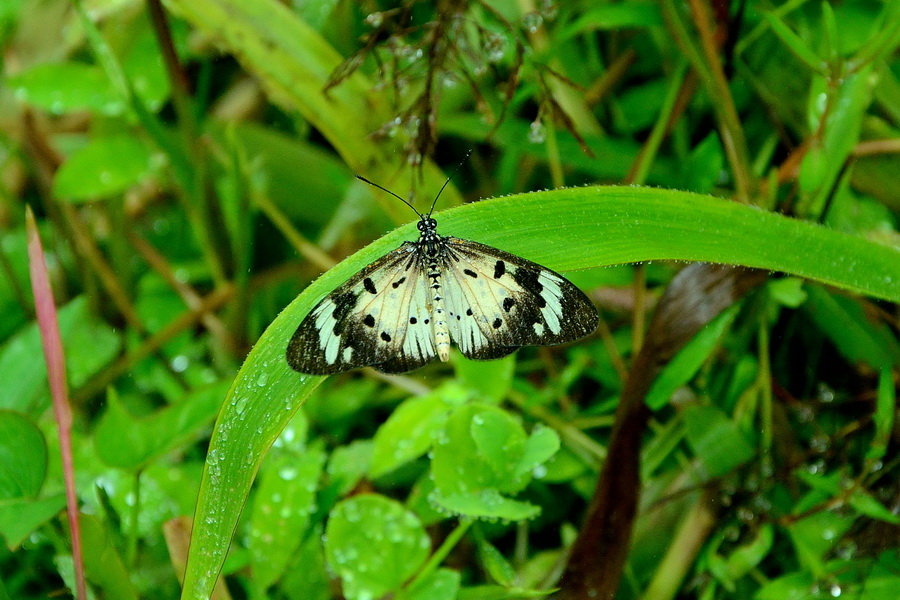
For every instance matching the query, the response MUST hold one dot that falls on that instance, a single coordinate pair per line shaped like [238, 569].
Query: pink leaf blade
[51, 341]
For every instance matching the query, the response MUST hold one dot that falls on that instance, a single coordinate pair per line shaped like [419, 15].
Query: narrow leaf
[56, 372]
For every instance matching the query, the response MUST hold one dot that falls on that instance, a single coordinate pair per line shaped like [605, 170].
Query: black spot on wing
[508, 303]
[528, 279]
[398, 283]
[470, 273]
[385, 336]
[369, 285]
[343, 305]
[369, 320]
[412, 321]
[499, 269]
[497, 323]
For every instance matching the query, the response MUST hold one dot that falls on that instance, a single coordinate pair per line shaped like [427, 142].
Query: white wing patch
[552, 295]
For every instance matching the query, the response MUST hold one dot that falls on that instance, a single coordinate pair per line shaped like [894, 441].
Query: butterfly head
[429, 240]
[426, 225]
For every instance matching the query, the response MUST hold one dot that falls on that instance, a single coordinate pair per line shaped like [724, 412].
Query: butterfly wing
[379, 317]
[497, 302]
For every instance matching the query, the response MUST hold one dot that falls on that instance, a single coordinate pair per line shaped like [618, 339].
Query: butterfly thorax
[430, 243]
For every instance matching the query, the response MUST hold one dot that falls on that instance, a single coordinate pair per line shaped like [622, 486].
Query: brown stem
[697, 295]
[729, 123]
[191, 298]
[188, 319]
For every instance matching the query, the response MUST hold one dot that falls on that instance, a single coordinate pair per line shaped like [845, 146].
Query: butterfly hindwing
[378, 318]
[497, 302]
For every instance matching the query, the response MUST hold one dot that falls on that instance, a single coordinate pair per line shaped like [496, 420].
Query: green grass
[195, 206]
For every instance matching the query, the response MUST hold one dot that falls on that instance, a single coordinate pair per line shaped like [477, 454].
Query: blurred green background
[191, 164]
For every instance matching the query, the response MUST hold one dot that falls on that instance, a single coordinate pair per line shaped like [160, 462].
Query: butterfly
[405, 308]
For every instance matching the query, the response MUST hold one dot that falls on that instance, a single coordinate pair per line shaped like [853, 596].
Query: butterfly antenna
[468, 154]
[384, 189]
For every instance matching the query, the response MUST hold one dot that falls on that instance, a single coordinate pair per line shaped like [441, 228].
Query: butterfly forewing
[378, 317]
[499, 302]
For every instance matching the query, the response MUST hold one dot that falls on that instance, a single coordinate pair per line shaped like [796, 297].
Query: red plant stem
[56, 374]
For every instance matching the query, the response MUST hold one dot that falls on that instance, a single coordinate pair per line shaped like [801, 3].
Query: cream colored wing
[498, 302]
[378, 318]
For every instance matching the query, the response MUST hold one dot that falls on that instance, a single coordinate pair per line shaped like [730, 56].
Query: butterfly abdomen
[438, 314]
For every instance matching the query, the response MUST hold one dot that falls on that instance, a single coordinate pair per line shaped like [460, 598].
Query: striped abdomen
[438, 317]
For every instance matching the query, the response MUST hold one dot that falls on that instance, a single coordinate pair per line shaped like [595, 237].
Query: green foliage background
[191, 164]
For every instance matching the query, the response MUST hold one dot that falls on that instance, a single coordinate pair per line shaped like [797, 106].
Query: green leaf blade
[579, 228]
[370, 563]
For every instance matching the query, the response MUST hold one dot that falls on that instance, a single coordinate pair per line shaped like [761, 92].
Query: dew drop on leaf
[532, 22]
[537, 133]
[375, 19]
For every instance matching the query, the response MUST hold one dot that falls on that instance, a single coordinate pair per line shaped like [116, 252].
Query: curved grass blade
[566, 230]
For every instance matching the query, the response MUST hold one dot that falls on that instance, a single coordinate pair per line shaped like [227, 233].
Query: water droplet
[180, 363]
[820, 442]
[262, 380]
[288, 435]
[288, 472]
[548, 9]
[816, 467]
[411, 127]
[745, 514]
[532, 22]
[537, 133]
[495, 47]
[375, 19]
